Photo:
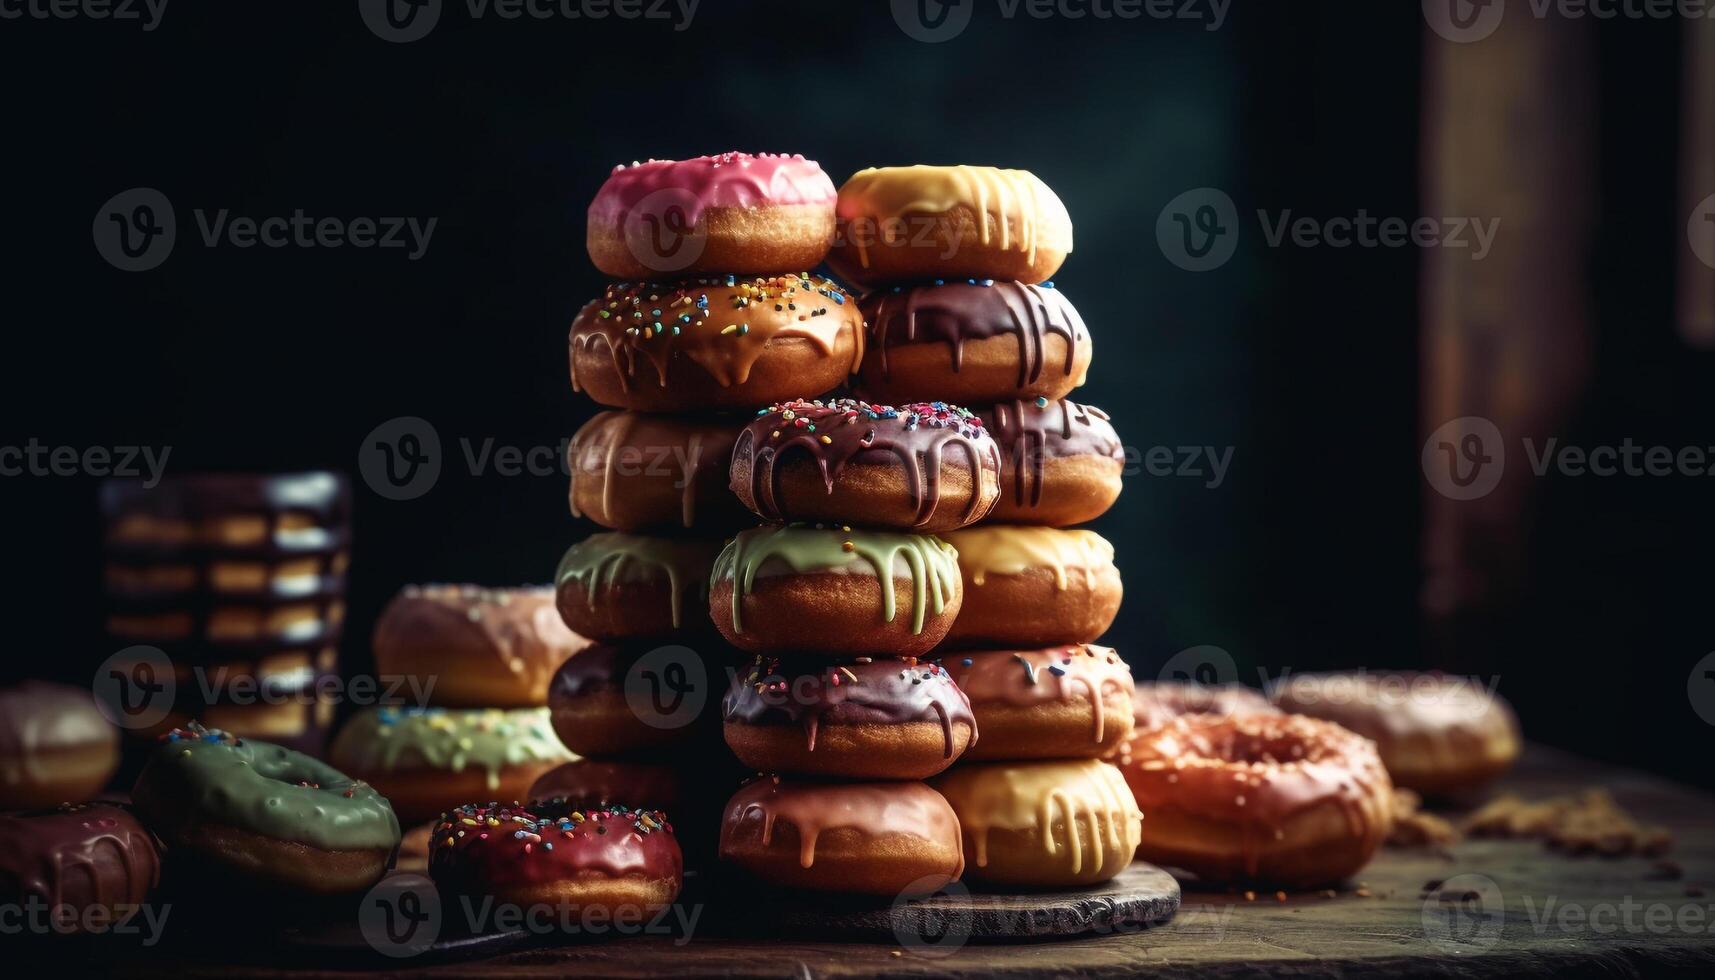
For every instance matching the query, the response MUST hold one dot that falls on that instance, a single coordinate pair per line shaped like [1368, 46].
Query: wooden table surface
[1570, 917]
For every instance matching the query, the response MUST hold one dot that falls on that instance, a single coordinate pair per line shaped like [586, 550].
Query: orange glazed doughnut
[636, 587]
[1061, 463]
[885, 839]
[484, 648]
[835, 592]
[1033, 586]
[1066, 702]
[735, 212]
[1270, 799]
[910, 224]
[715, 343]
[973, 342]
[635, 472]
[873, 465]
[1436, 734]
[1043, 824]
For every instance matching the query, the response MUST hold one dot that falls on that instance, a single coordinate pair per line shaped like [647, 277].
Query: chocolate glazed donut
[850, 461]
[83, 856]
[1001, 340]
[1061, 462]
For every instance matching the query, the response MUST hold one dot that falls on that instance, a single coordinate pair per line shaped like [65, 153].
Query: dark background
[1306, 361]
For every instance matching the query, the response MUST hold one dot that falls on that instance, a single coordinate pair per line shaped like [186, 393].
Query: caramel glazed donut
[715, 344]
[636, 472]
[714, 214]
[1061, 463]
[1065, 702]
[428, 760]
[869, 719]
[835, 591]
[1271, 799]
[876, 465]
[1043, 824]
[889, 839]
[484, 648]
[1028, 587]
[55, 746]
[91, 864]
[912, 224]
[1437, 734]
[264, 813]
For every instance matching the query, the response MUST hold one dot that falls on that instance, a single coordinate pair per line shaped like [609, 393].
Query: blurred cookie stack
[239, 581]
[958, 262]
[707, 319]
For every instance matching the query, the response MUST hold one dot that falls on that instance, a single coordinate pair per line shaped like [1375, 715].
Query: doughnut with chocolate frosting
[265, 813]
[1270, 799]
[836, 591]
[1061, 463]
[1033, 586]
[551, 852]
[1438, 734]
[735, 212]
[616, 586]
[636, 472]
[89, 863]
[867, 719]
[490, 648]
[1043, 824]
[1064, 702]
[908, 224]
[925, 466]
[717, 343]
[604, 703]
[885, 839]
[55, 746]
[972, 341]
[427, 760]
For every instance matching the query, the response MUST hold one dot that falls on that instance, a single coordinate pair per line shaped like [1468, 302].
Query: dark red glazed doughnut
[90, 864]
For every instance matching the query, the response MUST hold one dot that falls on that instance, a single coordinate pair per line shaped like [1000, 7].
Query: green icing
[265, 789]
[933, 563]
[385, 740]
[601, 560]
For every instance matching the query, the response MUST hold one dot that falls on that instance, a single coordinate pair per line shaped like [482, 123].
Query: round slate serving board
[1140, 896]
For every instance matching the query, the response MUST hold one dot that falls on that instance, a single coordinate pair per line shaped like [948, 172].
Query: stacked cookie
[240, 581]
[958, 261]
[708, 320]
[462, 676]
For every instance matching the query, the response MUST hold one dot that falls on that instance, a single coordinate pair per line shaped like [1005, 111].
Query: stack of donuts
[240, 581]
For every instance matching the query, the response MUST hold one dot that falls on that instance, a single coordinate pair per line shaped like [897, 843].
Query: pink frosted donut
[733, 213]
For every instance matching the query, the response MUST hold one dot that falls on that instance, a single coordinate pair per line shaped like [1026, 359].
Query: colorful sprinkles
[832, 412]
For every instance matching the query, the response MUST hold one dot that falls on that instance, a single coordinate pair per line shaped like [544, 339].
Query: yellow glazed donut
[1028, 587]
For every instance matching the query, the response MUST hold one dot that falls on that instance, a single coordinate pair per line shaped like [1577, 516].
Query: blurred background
[1554, 170]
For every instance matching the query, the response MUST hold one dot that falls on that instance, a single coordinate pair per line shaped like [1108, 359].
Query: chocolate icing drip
[874, 692]
[844, 431]
[83, 855]
[1030, 433]
[956, 312]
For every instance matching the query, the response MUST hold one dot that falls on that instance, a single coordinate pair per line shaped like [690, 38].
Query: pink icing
[731, 180]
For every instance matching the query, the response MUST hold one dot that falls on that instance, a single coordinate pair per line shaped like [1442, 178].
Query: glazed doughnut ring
[55, 746]
[614, 586]
[1272, 799]
[635, 472]
[1029, 587]
[485, 648]
[1065, 702]
[1436, 734]
[1157, 703]
[856, 838]
[925, 467]
[735, 212]
[91, 864]
[1061, 463]
[911, 224]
